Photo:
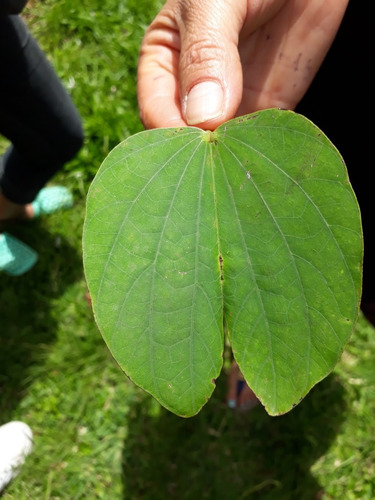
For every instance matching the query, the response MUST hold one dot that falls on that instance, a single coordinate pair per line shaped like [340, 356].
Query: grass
[97, 436]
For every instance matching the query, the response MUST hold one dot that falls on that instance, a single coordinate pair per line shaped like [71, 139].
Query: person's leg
[36, 115]
[44, 127]
[239, 395]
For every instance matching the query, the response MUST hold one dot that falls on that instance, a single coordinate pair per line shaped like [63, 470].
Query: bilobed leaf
[254, 226]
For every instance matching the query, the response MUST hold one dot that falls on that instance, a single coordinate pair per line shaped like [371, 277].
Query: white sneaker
[16, 441]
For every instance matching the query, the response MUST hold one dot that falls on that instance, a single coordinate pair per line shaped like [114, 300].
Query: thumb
[210, 72]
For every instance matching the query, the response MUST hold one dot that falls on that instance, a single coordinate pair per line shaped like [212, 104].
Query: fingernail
[231, 403]
[204, 102]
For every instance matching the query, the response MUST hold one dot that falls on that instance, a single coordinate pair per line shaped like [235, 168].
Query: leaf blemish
[221, 268]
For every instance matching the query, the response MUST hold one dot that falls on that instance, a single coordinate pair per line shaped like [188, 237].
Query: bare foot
[239, 394]
[10, 210]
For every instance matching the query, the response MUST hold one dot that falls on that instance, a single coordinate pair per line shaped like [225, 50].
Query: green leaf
[255, 227]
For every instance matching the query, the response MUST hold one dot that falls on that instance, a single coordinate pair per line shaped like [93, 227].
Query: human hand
[202, 62]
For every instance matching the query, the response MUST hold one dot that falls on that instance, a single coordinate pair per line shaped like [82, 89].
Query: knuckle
[205, 52]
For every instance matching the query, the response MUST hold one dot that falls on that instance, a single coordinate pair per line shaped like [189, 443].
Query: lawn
[97, 436]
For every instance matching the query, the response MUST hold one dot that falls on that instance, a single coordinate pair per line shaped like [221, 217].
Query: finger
[189, 70]
[157, 84]
[210, 73]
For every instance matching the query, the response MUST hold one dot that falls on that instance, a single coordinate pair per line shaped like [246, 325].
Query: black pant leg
[36, 115]
[340, 101]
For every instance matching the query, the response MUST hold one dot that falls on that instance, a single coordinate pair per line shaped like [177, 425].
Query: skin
[10, 210]
[262, 53]
[246, 399]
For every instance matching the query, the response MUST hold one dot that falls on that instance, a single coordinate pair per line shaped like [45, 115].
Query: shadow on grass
[27, 325]
[226, 455]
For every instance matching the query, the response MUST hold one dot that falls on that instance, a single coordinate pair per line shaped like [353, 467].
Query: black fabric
[36, 115]
[341, 102]
[8, 7]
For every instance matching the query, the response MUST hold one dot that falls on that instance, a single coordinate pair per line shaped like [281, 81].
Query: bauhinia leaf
[254, 226]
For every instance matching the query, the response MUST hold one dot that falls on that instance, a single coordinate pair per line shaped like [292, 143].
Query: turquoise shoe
[50, 199]
[16, 258]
